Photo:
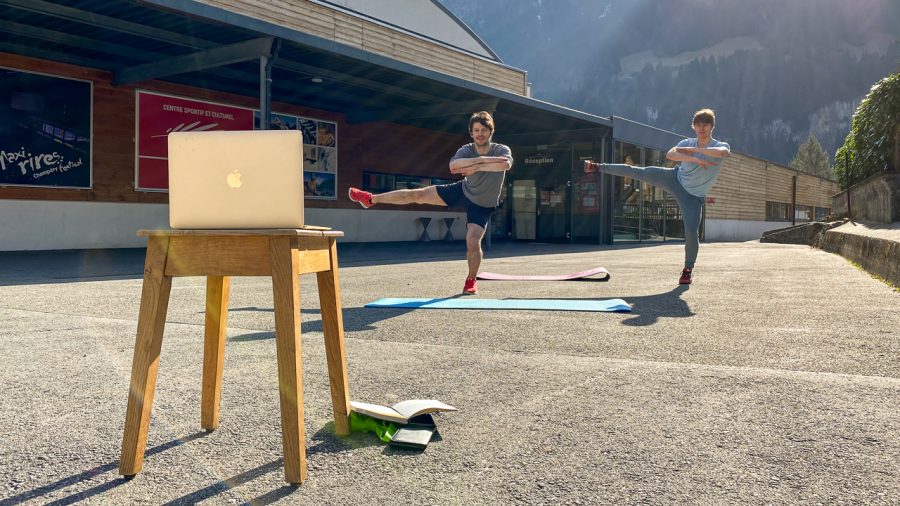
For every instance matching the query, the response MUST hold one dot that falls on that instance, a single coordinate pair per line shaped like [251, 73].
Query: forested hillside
[774, 70]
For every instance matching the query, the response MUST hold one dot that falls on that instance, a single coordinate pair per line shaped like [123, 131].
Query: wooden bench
[283, 254]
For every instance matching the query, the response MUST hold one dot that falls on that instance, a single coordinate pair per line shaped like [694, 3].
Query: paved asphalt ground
[774, 378]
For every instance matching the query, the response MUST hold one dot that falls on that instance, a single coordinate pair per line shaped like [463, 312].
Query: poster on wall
[321, 185]
[45, 130]
[159, 115]
[319, 152]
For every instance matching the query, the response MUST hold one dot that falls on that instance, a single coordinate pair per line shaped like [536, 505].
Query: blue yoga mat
[616, 305]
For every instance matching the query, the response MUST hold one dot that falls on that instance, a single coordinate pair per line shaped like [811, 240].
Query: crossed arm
[684, 154]
[467, 166]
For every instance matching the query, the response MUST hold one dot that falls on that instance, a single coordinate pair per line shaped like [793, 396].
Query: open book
[402, 411]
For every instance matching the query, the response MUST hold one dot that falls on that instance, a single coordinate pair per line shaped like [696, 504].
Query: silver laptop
[236, 179]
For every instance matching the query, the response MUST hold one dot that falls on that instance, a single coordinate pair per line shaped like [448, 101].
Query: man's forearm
[460, 163]
[493, 159]
[494, 166]
[716, 152]
[480, 162]
[675, 156]
[681, 157]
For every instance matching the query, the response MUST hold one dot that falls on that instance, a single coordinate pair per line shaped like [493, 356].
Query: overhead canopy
[644, 135]
[194, 44]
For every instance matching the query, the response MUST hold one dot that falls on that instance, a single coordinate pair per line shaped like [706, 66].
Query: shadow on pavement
[648, 309]
[237, 480]
[326, 441]
[361, 254]
[356, 319]
[323, 441]
[90, 473]
[68, 266]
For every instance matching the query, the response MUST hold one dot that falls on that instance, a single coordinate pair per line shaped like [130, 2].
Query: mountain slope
[774, 70]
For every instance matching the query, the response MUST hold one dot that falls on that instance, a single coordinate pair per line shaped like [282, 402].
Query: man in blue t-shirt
[483, 165]
[701, 159]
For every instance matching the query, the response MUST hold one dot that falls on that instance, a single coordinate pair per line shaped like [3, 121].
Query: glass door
[553, 212]
[586, 192]
[540, 187]
[523, 200]
[627, 197]
[653, 209]
[555, 184]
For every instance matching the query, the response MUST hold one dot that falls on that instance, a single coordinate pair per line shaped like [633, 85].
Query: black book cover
[416, 434]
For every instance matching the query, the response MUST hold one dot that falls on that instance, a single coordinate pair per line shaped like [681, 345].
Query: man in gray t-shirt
[482, 188]
[483, 165]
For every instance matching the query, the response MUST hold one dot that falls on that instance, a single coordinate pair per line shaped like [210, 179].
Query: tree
[812, 159]
[868, 148]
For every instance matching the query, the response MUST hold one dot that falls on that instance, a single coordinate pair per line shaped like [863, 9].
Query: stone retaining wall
[876, 255]
[875, 199]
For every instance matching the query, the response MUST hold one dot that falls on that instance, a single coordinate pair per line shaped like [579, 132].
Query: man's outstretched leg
[474, 254]
[663, 177]
[361, 197]
[428, 195]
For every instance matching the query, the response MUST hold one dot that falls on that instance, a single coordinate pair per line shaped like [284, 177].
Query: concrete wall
[875, 249]
[875, 199]
[738, 230]
[30, 225]
[374, 225]
[46, 224]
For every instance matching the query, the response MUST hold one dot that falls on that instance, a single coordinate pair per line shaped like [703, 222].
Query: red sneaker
[471, 286]
[685, 278]
[364, 198]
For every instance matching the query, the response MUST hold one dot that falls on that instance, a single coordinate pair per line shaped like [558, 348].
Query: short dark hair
[484, 118]
[707, 116]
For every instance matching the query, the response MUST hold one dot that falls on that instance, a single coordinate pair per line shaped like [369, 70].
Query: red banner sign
[159, 115]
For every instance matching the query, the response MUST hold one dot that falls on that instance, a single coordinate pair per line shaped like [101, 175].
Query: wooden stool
[283, 254]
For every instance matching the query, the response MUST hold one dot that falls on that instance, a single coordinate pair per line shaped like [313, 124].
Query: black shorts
[453, 196]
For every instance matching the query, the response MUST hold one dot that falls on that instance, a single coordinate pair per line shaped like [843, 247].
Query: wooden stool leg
[333, 326]
[150, 326]
[214, 349]
[286, 287]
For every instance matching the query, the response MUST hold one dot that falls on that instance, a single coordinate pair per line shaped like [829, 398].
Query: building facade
[90, 89]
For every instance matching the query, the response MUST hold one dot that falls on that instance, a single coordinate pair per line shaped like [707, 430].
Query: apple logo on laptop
[234, 179]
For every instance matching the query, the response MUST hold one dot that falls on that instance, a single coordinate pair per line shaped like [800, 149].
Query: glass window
[778, 211]
[822, 213]
[377, 183]
[411, 182]
[45, 130]
[803, 213]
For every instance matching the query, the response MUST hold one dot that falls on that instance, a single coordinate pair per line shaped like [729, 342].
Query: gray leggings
[665, 178]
